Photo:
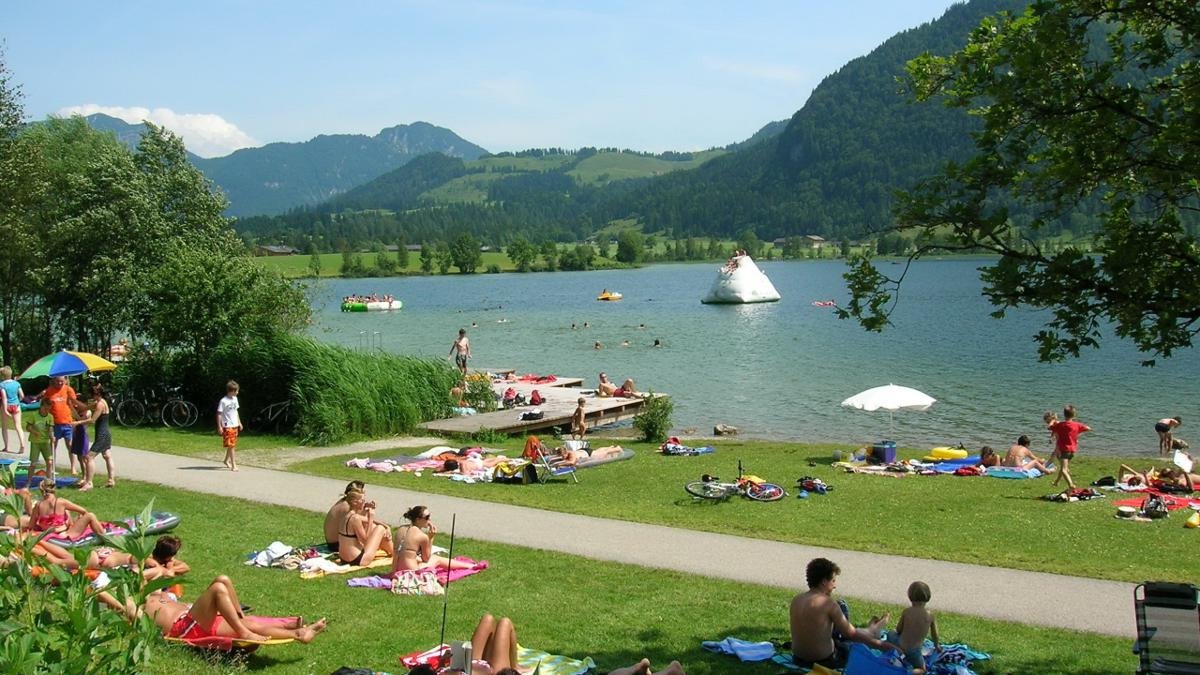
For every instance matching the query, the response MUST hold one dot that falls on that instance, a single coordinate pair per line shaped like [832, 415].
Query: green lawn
[986, 521]
[559, 603]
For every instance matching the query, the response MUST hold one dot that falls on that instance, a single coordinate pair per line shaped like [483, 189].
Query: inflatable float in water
[379, 306]
[741, 281]
[609, 296]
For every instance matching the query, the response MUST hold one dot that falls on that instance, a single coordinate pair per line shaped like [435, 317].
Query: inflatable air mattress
[160, 521]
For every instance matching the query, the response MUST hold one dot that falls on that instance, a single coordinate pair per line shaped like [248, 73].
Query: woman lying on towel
[1169, 479]
[52, 514]
[472, 463]
[216, 613]
[414, 545]
[360, 535]
[643, 668]
[162, 562]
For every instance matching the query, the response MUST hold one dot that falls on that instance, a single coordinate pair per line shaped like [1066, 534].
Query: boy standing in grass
[41, 441]
[229, 423]
[1066, 443]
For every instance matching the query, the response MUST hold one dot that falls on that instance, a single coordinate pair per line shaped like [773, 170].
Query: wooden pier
[560, 398]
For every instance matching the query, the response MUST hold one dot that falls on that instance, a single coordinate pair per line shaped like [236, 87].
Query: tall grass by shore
[334, 393]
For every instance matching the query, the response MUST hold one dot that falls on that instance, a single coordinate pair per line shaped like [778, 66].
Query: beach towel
[550, 664]
[315, 568]
[438, 575]
[743, 649]
[1011, 472]
[604, 459]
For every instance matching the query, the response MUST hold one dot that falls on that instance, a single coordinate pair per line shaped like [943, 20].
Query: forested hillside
[831, 171]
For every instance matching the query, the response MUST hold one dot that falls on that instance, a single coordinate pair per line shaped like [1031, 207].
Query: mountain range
[830, 170]
[278, 177]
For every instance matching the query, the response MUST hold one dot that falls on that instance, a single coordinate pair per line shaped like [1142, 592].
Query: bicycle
[275, 417]
[711, 487]
[174, 411]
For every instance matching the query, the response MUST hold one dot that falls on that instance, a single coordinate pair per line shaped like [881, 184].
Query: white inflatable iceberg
[741, 281]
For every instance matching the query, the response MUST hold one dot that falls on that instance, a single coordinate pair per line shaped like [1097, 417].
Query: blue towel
[1012, 472]
[743, 649]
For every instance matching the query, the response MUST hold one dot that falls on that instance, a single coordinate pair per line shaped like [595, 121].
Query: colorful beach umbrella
[66, 363]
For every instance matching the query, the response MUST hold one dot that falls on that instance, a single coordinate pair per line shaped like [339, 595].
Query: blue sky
[649, 75]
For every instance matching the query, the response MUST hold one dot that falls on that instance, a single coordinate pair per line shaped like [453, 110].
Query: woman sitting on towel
[414, 544]
[360, 535]
[338, 512]
[53, 514]
[216, 613]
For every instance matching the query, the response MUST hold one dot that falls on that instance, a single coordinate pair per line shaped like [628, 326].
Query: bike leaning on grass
[750, 487]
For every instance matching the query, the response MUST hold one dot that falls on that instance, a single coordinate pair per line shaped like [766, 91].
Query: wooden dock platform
[561, 397]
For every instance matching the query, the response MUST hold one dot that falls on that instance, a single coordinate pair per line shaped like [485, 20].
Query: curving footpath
[1058, 601]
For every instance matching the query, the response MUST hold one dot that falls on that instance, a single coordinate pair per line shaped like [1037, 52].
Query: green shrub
[655, 419]
[54, 623]
[335, 392]
[479, 394]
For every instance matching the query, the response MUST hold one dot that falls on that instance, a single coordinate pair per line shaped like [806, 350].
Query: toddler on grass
[915, 622]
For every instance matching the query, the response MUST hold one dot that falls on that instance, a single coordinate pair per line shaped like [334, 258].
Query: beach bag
[532, 415]
[535, 398]
[510, 397]
[1154, 507]
[514, 473]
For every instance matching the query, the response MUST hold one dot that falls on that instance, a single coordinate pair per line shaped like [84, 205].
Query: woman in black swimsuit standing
[360, 536]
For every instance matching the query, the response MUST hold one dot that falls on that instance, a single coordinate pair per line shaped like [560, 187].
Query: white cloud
[757, 71]
[205, 134]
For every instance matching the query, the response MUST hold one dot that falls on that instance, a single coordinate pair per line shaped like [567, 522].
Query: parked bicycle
[750, 487]
[169, 407]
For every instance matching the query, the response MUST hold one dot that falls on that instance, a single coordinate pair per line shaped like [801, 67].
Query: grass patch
[202, 443]
[613, 613]
[985, 521]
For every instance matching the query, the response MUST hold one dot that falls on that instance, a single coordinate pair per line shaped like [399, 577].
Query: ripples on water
[780, 370]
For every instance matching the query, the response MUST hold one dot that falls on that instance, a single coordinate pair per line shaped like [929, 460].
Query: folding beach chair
[1168, 628]
[551, 466]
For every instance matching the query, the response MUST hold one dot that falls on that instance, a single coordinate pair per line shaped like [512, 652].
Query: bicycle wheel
[131, 413]
[193, 413]
[765, 492]
[706, 489]
[175, 413]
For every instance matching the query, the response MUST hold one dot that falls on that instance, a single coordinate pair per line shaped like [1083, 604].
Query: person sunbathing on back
[216, 613]
[162, 562]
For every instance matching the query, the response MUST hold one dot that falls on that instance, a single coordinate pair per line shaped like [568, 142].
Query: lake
[780, 370]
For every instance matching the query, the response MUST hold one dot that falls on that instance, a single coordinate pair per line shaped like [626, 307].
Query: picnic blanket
[1173, 502]
[673, 446]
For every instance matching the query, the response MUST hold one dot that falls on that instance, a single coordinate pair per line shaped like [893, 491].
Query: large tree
[1086, 105]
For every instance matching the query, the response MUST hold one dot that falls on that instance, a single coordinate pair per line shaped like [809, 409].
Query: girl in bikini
[217, 612]
[360, 536]
[52, 514]
[161, 563]
[414, 546]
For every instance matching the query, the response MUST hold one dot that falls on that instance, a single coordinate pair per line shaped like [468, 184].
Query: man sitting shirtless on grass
[821, 629]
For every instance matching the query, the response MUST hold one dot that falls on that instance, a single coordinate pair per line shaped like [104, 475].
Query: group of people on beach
[61, 417]
[351, 529]
[215, 613]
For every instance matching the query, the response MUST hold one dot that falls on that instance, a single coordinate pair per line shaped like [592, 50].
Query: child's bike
[711, 487]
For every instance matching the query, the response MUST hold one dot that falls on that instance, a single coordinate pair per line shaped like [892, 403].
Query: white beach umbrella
[890, 398]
